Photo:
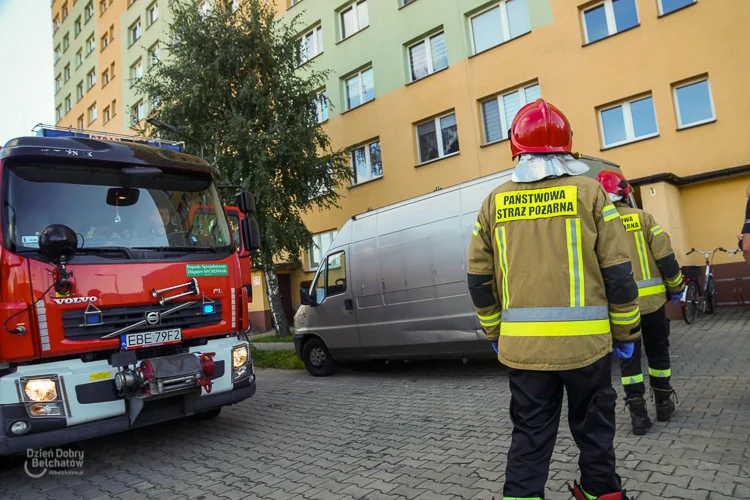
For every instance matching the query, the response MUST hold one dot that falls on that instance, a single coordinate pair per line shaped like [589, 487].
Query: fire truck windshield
[109, 208]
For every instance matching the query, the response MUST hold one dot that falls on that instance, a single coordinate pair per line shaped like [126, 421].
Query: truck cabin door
[333, 316]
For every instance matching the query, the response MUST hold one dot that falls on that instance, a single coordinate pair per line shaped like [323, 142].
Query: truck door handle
[349, 305]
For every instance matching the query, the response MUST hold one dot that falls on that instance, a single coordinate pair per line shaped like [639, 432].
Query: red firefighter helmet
[614, 183]
[540, 128]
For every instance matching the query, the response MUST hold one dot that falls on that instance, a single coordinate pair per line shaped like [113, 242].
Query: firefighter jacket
[549, 274]
[655, 267]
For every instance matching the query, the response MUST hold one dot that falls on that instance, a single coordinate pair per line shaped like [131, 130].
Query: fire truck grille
[116, 318]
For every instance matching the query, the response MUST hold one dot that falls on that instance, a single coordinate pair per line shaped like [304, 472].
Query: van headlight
[41, 390]
[239, 356]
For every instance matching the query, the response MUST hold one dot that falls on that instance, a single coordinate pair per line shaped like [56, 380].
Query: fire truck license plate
[148, 339]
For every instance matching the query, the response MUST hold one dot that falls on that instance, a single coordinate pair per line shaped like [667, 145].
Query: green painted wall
[383, 43]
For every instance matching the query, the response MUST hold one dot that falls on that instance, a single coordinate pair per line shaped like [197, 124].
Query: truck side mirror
[245, 202]
[304, 297]
[250, 233]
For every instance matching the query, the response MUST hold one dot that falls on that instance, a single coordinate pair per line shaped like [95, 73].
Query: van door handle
[349, 305]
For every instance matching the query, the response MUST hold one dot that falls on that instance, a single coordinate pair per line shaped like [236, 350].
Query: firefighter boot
[665, 406]
[638, 415]
[579, 494]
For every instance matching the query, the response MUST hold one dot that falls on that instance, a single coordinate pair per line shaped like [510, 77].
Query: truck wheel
[317, 358]
[208, 414]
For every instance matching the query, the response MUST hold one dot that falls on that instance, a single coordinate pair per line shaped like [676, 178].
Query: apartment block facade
[422, 92]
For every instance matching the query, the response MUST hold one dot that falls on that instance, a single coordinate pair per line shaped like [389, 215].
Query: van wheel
[317, 358]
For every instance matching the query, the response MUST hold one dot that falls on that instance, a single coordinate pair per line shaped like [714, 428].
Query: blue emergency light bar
[54, 131]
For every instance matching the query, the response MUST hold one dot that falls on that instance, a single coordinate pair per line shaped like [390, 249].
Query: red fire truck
[123, 290]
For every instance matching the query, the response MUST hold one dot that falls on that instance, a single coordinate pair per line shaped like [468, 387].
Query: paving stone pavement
[432, 431]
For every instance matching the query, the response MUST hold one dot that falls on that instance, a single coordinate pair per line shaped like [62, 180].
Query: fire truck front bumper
[81, 401]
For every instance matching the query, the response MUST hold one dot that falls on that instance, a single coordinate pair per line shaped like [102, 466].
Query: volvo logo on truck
[75, 300]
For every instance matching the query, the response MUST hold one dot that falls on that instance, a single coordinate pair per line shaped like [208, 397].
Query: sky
[27, 87]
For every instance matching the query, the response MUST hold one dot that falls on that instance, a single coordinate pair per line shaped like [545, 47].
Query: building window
[321, 107]
[694, 103]
[105, 77]
[66, 42]
[311, 44]
[130, 2]
[112, 70]
[58, 54]
[204, 9]
[152, 14]
[498, 112]
[609, 18]
[437, 138]
[321, 244]
[112, 33]
[58, 83]
[106, 116]
[155, 102]
[92, 113]
[79, 91]
[105, 42]
[137, 113]
[134, 32]
[88, 12]
[366, 163]
[628, 122]
[79, 58]
[428, 56]
[90, 44]
[90, 79]
[353, 19]
[66, 73]
[55, 24]
[58, 113]
[103, 6]
[67, 103]
[153, 54]
[79, 122]
[136, 72]
[65, 11]
[359, 88]
[669, 6]
[77, 26]
[114, 107]
[498, 24]
[404, 3]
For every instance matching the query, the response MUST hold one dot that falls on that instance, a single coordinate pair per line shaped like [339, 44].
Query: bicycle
[695, 300]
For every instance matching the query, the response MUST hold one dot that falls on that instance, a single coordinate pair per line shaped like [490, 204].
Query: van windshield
[109, 208]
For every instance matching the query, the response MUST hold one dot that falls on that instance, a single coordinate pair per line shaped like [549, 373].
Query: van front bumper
[298, 345]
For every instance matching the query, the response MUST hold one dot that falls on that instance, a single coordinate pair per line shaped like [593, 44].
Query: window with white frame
[137, 113]
[58, 113]
[105, 77]
[359, 88]
[90, 44]
[91, 79]
[66, 73]
[321, 107]
[498, 111]
[354, 19]
[55, 24]
[694, 103]
[321, 244]
[79, 91]
[92, 113]
[498, 24]
[628, 121]
[153, 54]
[77, 26]
[366, 163]
[609, 18]
[311, 44]
[58, 54]
[134, 32]
[106, 116]
[58, 83]
[104, 42]
[88, 12]
[152, 14]
[437, 138]
[669, 6]
[65, 11]
[79, 58]
[79, 122]
[68, 103]
[428, 56]
[103, 7]
[66, 42]
[136, 72]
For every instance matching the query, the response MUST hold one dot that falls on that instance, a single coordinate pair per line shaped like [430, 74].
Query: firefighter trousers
[655, 334]
[535, 406]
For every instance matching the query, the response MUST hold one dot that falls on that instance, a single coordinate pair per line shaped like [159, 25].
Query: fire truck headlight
[239, 356]
[41, 390]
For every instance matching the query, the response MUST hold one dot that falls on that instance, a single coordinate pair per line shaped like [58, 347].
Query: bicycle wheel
[711, 296]
[692, 299]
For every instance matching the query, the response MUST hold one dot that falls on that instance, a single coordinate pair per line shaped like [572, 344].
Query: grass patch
[271, 338]
[277, 358]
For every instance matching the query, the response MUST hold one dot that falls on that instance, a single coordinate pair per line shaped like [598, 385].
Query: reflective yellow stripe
[640, 243]
[575, 262]
[633, 379]
[626, 318]
[502, 245]
[476, 233]
[491, 320]
[660, 373]
[651, 290]
[555, 328]
[609, 212]
[478, 227]
[571, 264]
[657, 230]
[674, 282]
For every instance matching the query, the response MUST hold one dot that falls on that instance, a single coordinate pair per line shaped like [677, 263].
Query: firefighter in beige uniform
[657, 274]
[550, 278]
